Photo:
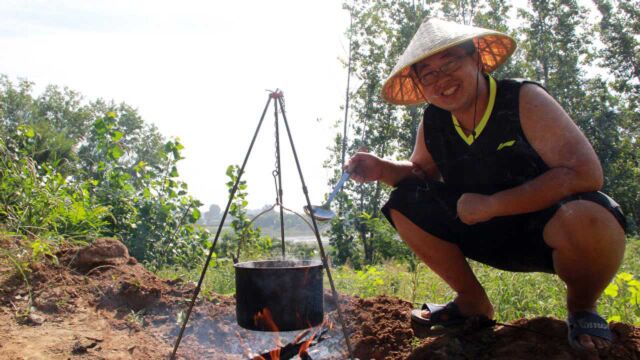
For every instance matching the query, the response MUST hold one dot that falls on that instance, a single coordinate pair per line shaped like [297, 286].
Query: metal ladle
[323, 212]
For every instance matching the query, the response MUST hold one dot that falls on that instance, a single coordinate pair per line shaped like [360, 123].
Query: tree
[151, 209]
[211, 216]
[619, 29]
[103, 169]
[142, 143]
[554, 46]
[58, 118]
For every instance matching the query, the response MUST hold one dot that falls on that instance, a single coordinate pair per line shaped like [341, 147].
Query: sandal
[446, 315]
[589, 323]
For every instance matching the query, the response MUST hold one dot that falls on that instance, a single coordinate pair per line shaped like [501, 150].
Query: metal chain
[275, 172]
[275, 183]
[282, 105]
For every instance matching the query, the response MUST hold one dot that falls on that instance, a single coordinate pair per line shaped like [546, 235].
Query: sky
[199, 71]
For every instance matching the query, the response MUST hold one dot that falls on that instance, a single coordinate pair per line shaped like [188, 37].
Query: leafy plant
[135, 319]
[245, 238]
[369, 280]
[383, 242]
[622, 297]
[36, 200]
[21, 267]
[145, 206]
[152, 211]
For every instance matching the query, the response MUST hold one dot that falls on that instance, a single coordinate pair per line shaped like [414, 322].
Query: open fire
[298, 346]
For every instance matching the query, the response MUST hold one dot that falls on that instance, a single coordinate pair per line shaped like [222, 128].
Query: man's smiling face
[448, 78]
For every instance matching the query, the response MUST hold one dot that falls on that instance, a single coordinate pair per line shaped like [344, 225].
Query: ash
[212, 332]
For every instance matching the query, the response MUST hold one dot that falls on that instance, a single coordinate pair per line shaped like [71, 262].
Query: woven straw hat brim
[434, 36]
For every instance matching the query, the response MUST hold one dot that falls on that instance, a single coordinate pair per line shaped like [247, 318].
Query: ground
[99, 303]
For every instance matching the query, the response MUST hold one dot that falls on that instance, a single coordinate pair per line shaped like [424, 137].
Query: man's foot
[447, 315]
[588, 331]
[453, 313]
[470, 306]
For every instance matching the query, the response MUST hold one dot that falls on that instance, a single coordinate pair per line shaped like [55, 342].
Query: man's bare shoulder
[539, 111]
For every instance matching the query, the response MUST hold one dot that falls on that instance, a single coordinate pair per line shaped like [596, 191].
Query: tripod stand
[277, 97]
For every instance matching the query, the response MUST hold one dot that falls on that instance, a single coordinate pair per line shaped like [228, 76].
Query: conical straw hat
[433, 36]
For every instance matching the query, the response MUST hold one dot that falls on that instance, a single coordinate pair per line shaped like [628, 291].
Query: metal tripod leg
[215, 241]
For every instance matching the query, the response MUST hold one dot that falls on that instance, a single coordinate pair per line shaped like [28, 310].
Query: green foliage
[20, 263]
[72, 171]
[299, 250]
[369, 279]
[622, 298]
[38, 201]
[554, 48]
[619, 29]
[342, 241]
[245, 238]
[384, 243]
[152, 211]
[219, 279]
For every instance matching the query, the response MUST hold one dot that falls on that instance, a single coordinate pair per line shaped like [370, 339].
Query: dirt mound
[98, 303]
[70, 310]
[383, 330]
[381, 327]
[101, 252]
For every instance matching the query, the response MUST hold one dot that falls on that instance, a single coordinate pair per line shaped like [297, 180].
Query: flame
[305, 345]
[275, 354]
[263, 319]
[300, 336]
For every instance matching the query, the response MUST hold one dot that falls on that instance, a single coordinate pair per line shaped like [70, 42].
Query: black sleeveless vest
[499, 158]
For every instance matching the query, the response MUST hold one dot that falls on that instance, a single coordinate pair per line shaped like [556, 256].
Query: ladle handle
[343, 179]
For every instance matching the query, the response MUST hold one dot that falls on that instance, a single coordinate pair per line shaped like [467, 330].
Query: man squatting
[499, 174]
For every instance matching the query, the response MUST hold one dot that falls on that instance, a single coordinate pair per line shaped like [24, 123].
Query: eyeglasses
[432, 76]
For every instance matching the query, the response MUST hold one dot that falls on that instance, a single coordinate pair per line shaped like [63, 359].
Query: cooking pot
[290, 290]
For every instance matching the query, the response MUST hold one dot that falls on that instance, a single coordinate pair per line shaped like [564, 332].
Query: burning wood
[298, 346]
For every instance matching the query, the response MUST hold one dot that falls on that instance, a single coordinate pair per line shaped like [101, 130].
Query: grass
[514, 295]
[220, 277]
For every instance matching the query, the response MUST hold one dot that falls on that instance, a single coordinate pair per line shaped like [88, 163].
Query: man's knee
[581, 223]
[406, 228]
[397, 216]
[401, 222]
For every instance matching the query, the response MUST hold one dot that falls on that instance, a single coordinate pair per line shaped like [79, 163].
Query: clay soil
[99, 303]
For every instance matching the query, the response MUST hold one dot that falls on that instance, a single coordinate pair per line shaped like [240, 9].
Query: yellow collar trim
[469, 139]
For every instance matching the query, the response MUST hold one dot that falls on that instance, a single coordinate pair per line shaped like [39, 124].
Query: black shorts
[513, 243]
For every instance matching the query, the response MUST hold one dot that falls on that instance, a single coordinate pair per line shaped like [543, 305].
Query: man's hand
[365, 167]
[475, 208]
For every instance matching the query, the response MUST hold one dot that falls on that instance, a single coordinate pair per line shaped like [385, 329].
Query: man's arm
[368, 167]
[573, 164]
